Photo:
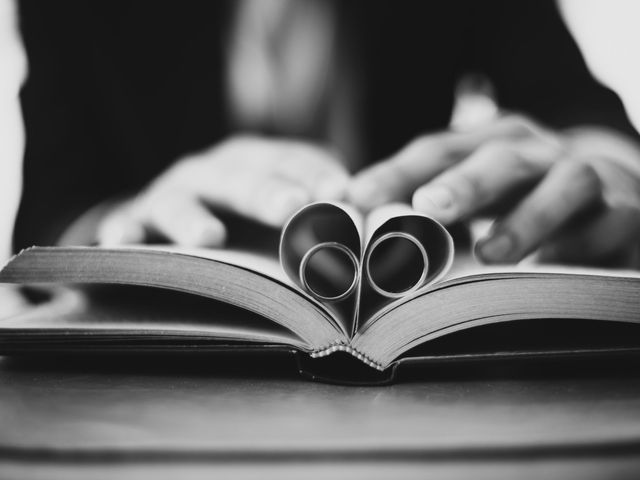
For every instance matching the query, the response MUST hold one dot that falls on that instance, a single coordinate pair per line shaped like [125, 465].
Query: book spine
[323, 352]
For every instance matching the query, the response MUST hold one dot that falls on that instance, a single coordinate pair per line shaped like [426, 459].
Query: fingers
[267, 199]
[423, 159]
[569, 188]
[396, 178]
[485, 177]
[179, 218]
[184, 220]
[315, 169]
[121, 228]
[272, 200]
[266, 181]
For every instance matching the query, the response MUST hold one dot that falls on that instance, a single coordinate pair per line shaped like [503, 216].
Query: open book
[379, 289]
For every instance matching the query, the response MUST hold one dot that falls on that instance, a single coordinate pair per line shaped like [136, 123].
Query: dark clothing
[118, 90]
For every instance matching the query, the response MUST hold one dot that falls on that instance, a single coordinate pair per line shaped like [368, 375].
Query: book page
[323, 239]
[320, 251]
[466, 264]
[109, 313]
[379, 216]
[254, 261]
[404, 249]
[498, 297]
[356, 265]
[235, 278]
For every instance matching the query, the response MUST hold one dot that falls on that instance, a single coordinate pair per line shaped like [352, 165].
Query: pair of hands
[574, 196]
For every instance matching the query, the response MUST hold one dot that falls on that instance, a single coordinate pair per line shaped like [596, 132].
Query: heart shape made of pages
[333, 252]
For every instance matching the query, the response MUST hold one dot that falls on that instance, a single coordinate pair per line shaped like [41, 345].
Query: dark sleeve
[536, 67]
[117, 91]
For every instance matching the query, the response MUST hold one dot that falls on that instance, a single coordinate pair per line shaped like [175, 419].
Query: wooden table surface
[256, 418]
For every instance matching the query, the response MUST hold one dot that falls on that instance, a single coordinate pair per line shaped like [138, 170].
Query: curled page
[320, 251]
[404, 251]
[355, 266]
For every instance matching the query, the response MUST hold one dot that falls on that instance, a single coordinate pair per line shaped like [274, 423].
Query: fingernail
[331, 188]
[497, 248]
[437, 196]
[206, 235]
[118, 234]
[437, 201]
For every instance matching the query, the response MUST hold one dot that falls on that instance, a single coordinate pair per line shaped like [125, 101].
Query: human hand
[264, 180]
[574, 195]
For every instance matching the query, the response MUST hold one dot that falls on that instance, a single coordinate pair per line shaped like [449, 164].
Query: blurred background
[605, 30]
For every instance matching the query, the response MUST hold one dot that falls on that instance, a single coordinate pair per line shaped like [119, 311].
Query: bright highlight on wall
[608, 34]
[12, 72]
